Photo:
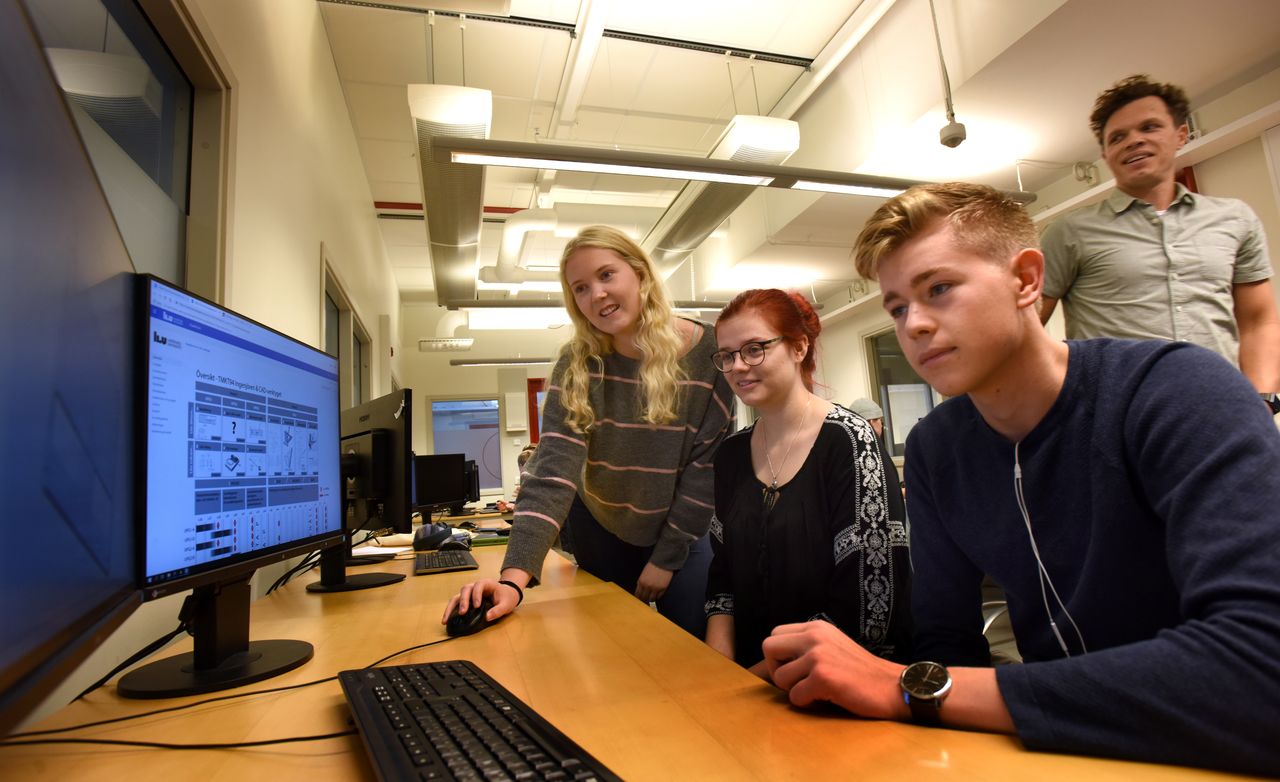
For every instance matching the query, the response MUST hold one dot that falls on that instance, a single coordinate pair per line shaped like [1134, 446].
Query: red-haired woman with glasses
[806, 526]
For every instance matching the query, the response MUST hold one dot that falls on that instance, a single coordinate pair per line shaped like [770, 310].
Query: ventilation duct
[445, 341]
[565, 220]
[452, 193]
[701, 207]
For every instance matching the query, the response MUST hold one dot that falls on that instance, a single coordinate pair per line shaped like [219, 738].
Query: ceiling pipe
[699, 208]
[837, 50]
[514, 231]
[565, 220]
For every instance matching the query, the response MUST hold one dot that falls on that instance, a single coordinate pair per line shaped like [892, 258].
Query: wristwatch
[925, 685]
[1273, 401]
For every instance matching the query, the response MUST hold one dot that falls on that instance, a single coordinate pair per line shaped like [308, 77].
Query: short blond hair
[984, 220]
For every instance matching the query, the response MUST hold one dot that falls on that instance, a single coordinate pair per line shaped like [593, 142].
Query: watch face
[926, 680]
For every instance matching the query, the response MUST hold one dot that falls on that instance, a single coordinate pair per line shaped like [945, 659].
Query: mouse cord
[126, 718]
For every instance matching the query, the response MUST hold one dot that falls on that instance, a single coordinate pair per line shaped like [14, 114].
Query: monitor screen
[67, 576]
[241, 452]
[239, 468]
[441, 481]
[379, 433]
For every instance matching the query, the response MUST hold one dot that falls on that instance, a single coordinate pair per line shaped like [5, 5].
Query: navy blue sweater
[1153, 488]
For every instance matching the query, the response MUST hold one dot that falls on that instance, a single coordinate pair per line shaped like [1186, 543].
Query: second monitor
[444, 481]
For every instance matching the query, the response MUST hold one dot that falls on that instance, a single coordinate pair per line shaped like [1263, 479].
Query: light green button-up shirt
[1122, 270]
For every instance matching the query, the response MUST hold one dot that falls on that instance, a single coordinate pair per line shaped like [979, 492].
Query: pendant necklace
[770, 495]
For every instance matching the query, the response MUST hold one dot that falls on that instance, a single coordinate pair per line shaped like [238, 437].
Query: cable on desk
[183, 622]
[311, 559]
[308, 562]
[162, 745]
[83, 725]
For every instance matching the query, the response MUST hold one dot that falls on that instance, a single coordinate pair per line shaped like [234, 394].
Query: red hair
[789, 313]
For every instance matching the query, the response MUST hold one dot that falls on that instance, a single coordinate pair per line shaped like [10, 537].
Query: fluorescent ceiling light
[748, 275]
[607, 168]
[561, 157]
[832, 187]
[536, 286]
[520, 318]
[445, 344]
[497, 362]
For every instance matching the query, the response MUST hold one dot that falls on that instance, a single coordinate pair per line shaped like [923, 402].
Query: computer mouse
[428, 537]
[456, 544]
[473, 621]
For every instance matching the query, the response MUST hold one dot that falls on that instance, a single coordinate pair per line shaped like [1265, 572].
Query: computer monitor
[377, 464]
[473, 481]
[441, 482]
[67, 498]
[239, 468]
[380, 433]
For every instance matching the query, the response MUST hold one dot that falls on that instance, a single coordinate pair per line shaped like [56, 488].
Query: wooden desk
[649, 701]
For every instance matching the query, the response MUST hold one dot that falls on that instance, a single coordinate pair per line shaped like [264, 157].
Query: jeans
[603, 555]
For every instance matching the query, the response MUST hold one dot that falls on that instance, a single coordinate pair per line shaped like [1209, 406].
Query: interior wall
[297, 181]
[1242, 173]
[431, 376]
[298, 177]
[842, 357]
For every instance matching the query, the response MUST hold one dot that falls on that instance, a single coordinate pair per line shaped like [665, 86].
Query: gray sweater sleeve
[551, 479]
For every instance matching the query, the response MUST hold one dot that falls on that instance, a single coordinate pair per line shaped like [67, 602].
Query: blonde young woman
[806, 525]
[633, 415]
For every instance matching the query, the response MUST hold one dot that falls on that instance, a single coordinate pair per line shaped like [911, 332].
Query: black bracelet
[518, 590]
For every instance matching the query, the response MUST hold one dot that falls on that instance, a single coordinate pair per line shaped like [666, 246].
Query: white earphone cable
[1041, 571]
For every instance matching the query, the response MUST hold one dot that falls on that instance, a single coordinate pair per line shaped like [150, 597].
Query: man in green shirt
[1154, 260]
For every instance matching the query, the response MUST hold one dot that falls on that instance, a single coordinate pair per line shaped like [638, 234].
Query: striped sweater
[650, 485]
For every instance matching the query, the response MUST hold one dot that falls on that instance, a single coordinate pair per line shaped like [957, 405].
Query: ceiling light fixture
[497, 362]
[862, 190]
[562, 157]
[625, 169]
[525, 305]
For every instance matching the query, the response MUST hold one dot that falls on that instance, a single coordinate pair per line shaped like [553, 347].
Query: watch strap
[1273, 401]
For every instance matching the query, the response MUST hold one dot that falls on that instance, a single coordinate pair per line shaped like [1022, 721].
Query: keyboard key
[450, 721]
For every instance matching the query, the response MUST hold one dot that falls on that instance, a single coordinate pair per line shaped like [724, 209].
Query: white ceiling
[1024, 74]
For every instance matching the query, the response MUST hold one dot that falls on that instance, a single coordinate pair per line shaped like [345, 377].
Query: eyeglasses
[752, 354]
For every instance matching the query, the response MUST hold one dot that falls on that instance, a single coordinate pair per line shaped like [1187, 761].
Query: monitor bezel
[418, 502]
[241, 564]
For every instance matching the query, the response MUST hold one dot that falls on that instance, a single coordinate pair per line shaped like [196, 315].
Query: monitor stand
[333, 572]
[223, 656]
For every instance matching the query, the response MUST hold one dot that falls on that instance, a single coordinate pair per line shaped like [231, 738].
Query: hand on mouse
[505, 599]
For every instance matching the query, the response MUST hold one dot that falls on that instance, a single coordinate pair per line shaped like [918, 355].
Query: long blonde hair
[658, 336]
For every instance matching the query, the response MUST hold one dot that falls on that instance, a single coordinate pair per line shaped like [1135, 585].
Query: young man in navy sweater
[1138, 544]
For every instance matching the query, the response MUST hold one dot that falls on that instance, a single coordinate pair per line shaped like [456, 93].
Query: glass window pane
[132, 105]
[470, 426]
[904, 396]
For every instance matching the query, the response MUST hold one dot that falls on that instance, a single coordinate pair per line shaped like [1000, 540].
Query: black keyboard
[449, 720]
[428, 562]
